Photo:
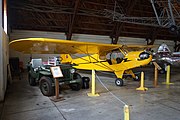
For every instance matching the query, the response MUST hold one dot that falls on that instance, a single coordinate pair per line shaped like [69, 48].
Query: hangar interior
[101, 21]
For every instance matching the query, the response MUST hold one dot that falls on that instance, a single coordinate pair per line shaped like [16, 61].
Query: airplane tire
[119, 82]
[32, 81]
[45, 85]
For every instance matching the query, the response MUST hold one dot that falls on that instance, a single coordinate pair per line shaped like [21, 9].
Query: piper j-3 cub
[95, 56]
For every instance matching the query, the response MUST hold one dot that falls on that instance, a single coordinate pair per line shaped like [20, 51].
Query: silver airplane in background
[165, 57]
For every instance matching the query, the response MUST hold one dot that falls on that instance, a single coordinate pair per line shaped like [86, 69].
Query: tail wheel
[137, 78]
[119, 82]
[45, 85]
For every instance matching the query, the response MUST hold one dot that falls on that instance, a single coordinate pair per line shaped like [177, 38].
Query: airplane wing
[57, 46]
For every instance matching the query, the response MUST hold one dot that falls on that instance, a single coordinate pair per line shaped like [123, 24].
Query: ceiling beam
[152, 35]
[71, 24]
[118, 26]
[55, 10]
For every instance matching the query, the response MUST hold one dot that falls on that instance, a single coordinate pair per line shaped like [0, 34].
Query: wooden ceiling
[85, 17]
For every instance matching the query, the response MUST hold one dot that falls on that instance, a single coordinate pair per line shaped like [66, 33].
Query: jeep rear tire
[45, 85]
[75, 86]
[32, 81]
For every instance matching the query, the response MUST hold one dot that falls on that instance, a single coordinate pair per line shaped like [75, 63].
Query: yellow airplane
[94, 56]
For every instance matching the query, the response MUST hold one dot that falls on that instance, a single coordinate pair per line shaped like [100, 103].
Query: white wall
[3, 63]
[142, 41]
[170, 44]
[130, 40]
[4, 56]
[18, 34]
[91, 38]
[1, 69]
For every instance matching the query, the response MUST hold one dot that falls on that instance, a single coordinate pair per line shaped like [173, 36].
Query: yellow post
[126, 112]
[142, 83]
[168, 76]
[93, 87]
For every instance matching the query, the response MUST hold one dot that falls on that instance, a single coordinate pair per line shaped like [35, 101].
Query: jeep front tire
[45, 85]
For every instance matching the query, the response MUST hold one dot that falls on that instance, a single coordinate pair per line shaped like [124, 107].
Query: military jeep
[39, 73]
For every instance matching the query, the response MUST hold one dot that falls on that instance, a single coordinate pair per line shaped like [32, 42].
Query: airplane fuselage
[168, 58]
[131, 60]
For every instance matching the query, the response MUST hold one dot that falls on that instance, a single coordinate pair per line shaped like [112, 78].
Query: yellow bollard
[142, 83]
[93, 87]
[168, 76]
[126, 112]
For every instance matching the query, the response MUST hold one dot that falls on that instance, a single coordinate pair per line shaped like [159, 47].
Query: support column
[93, 87]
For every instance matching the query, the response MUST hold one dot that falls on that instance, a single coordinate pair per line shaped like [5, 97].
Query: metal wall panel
[91, 38]
[19, 34]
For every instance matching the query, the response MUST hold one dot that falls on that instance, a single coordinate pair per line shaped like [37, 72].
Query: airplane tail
[65, 58]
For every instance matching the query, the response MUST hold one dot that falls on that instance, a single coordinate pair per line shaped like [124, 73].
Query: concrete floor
[24, 102]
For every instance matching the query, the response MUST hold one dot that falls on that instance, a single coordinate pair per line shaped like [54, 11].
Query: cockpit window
[115, 57]
[163, 48]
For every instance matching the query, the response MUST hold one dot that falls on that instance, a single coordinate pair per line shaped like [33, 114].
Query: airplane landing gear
[119, 82]
[137, 77]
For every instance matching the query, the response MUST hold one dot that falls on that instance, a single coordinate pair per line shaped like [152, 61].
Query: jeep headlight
[72, 71]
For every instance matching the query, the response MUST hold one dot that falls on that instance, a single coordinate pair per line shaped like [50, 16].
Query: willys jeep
[39, 73]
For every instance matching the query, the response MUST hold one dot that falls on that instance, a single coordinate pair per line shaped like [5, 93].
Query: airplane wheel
[119, 82]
